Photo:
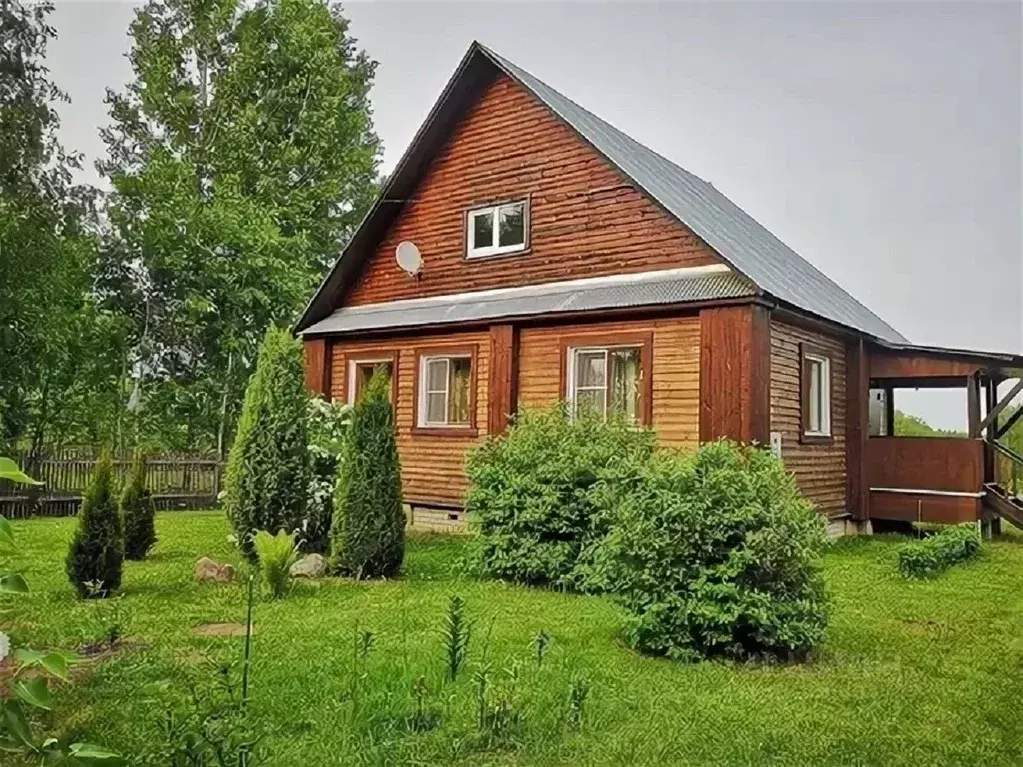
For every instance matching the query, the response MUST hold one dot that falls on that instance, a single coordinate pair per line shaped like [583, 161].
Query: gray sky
[882, 141]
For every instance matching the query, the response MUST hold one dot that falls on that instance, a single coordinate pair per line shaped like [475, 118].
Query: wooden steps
[1003, 503]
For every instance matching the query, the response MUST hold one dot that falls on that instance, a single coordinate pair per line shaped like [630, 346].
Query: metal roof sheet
[668, 287]
[734, 234]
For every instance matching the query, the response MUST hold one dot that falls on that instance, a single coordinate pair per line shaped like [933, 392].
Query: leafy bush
[714, 554]
[96, 555]
[268, 469]
[369, 521]
[530, 494]
[328, 425]
[939, 551]
[275, 554]
[138, 512]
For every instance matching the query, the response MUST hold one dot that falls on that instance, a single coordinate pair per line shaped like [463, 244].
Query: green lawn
[921, 673]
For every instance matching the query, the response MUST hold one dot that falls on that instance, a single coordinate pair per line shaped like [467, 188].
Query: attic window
[497, 229]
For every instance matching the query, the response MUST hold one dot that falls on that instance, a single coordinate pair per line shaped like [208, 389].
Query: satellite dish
[408, 257]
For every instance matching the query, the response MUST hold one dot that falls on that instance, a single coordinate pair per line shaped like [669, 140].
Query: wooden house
[524, 251]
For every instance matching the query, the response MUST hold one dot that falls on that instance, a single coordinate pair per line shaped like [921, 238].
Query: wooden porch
[943, 479]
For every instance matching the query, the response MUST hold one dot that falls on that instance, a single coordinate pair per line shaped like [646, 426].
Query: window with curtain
[445, 397]
[606, 380]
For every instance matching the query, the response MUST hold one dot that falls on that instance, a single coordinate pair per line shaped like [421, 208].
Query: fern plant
[275, 554]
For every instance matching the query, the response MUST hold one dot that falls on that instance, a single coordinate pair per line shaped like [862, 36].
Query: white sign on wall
[776, 444]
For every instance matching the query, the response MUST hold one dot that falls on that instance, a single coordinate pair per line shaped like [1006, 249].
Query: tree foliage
[369, 519]
[56, 345]
[240, 158]
[268, 467]
[138, 512]
[96, 554]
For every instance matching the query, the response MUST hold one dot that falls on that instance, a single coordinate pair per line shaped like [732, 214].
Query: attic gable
[584, 218]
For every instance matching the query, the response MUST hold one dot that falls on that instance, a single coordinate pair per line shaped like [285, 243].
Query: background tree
[369, 520]
[54, 340]
[138, 512]
[241, 157]
[96, 554]
[268, 468]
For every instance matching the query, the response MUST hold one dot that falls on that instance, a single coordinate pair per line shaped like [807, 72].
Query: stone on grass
[208, 570]
[309, 566]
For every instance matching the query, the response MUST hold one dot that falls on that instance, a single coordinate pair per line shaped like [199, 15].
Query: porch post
[973, 405]
[857, 429]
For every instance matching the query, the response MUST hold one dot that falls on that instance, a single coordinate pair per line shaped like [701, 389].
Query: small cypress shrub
[268, 469]
[368, 532]
[935, 553]
[138, 512]
[96, 554]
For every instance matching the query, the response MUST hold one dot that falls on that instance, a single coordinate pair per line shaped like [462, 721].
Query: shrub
[96, 554]
[530, 494]
[275, 554]
[328, 424]
[138, 513]
[267, 471]
[939, 551]
[714, 554]
[369, 520]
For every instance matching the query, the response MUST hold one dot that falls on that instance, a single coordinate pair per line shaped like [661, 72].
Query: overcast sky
[882, 142]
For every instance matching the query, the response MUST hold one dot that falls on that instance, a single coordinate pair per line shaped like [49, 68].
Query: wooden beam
[996, 410]
[735, 374]
[503, 381]
[857, 428]
[886, 364]
[889, 410]
[1003, 429]
[973, 405]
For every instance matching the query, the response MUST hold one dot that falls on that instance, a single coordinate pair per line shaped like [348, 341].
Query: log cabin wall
[432, 464]
[675, 369]
[820, 469]
[585, 219]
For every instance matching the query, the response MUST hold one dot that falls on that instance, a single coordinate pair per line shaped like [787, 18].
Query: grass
[927, 672]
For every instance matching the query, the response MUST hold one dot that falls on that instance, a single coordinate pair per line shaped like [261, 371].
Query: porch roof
[623, 291]
[938, 363]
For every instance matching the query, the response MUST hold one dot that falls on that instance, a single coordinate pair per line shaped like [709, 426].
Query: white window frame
[571, 388]
[825, 398]
[424, 391]
[353, 367]
[471, 251]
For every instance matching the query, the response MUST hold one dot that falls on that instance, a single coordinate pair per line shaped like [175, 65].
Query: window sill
[497, 256]
[817, 439]
[445, 431]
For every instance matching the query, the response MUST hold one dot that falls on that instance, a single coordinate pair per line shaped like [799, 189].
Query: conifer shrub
[714, 554]
[939, 551]
[267, 477]
[138, 512]
[368, 533]
[530, 494]
[96, 555]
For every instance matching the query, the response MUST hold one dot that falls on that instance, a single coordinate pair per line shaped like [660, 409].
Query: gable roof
[743, 243]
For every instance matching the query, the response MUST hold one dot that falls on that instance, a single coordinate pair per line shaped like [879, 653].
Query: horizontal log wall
[675, 370]
[432, 465]
[585, 219]
[819, 468]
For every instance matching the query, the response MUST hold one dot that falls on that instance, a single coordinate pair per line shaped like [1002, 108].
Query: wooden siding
[735, 358]
[317, 371]
[675, 370]
[819, 468]
[585, 220]
[925, 463]
[432, 465]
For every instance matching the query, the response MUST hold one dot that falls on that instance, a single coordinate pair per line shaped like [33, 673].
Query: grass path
[912, 672]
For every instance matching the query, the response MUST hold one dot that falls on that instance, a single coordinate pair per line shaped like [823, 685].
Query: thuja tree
[267, 470]
[369, 521]
[96, 555]
[138, 512]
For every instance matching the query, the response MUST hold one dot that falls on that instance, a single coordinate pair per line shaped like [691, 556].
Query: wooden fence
[177, 481]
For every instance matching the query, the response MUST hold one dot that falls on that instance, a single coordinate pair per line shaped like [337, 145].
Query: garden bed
[883, 690]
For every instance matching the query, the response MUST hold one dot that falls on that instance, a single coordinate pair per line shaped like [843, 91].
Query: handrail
[1007, 451]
